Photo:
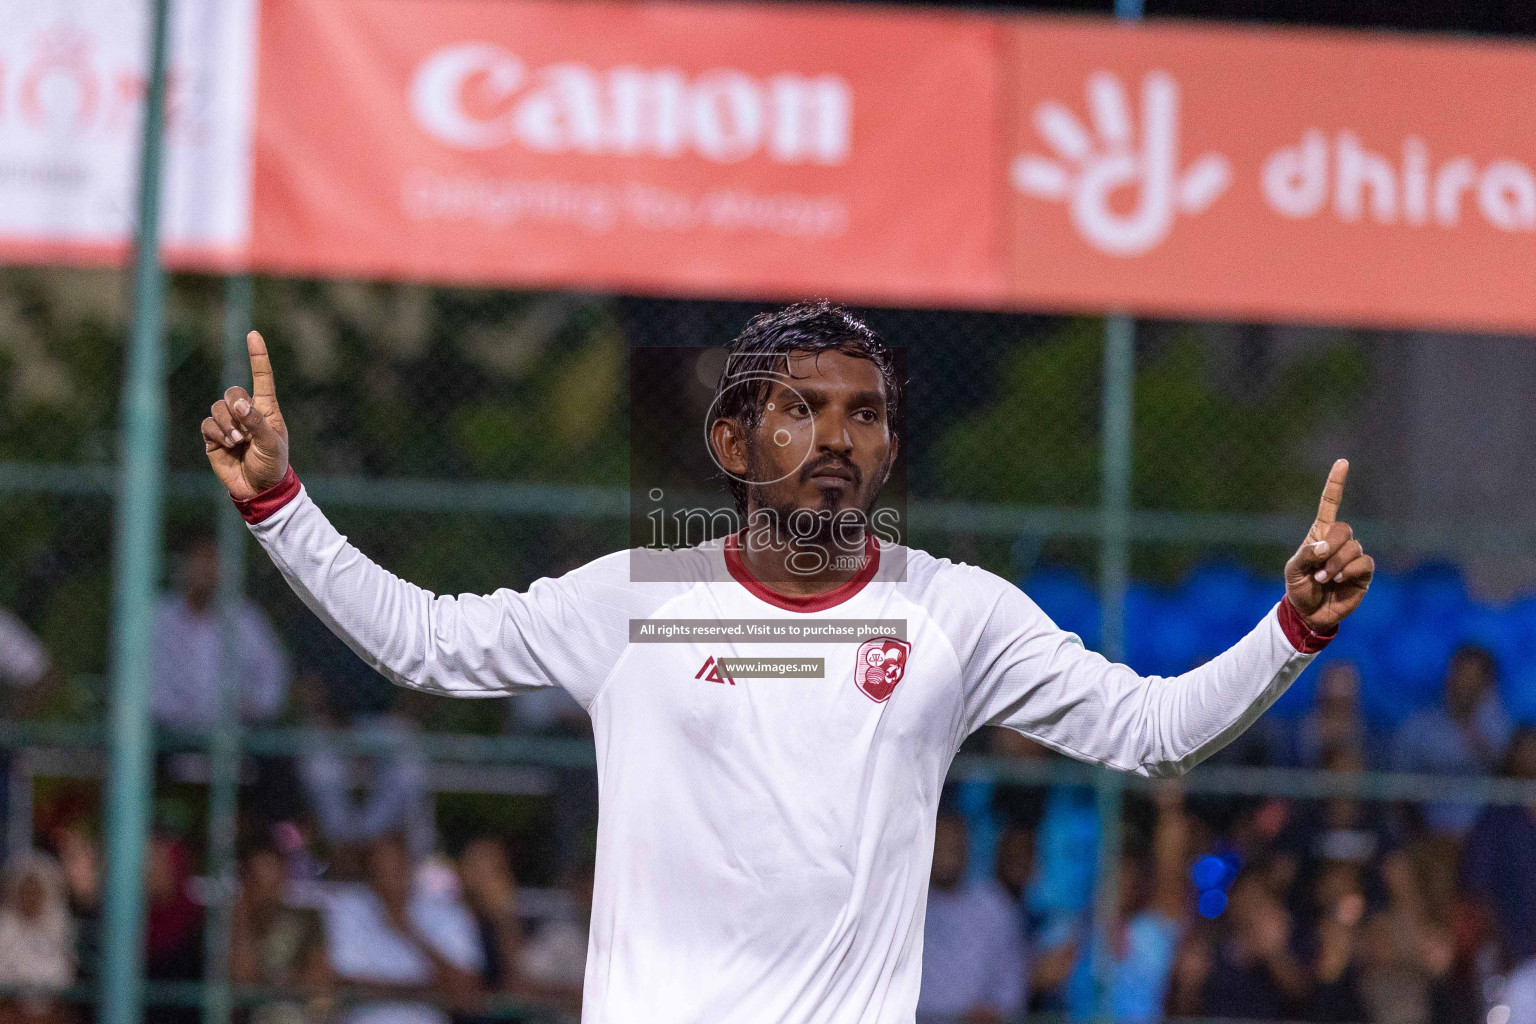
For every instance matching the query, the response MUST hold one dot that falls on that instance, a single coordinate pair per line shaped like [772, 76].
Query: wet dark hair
[760, 354]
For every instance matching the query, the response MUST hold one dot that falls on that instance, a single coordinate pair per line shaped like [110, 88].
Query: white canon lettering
[1296, 177]
[727, 116]
[648, 112]
[810, 119]
[1359, 169]
[437, 94]
[1507, 196]
[479, 96]
[561, 112]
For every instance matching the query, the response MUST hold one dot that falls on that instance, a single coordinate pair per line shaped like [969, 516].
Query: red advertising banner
[1241, 173]
[871, 155]
[678, 147]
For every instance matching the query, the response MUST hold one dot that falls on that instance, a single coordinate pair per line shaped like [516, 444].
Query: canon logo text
[480, 96]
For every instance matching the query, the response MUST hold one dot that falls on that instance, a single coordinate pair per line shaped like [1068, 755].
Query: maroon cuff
[255, 509]
[1302, 637]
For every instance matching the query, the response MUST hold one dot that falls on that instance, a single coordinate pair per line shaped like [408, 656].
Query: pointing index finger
[1333, 495]
[262, 387]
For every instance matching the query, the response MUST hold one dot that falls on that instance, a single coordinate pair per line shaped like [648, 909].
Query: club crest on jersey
[880, 665]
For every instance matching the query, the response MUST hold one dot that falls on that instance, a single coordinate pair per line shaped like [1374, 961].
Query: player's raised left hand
[1330, 573]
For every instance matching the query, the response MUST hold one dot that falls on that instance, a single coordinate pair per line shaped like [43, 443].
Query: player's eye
[799, 409]
[866, 416]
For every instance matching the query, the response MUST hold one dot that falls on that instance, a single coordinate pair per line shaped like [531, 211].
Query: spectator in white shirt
[188, 649]
[24, 663]
[552, 963]
[973, 940]
[1519, 1002]
[37, 940]
[402, 941]
[23, 659]
[356, 798]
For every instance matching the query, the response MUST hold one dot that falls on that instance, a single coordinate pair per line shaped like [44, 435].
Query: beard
[829, 524]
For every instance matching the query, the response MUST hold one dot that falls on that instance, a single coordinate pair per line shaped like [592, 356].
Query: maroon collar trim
[811, 602]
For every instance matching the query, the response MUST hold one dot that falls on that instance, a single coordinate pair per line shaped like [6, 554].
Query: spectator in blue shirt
[1499, 862]
[1128, 981]
[1066, 858]
[1465, 736]
[973, 940]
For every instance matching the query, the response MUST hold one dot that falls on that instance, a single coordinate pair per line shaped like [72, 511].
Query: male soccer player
[763, 847]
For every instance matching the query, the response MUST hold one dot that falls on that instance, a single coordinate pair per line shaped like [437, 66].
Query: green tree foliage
[376, 380]
[1200, 445]
[1207, 439]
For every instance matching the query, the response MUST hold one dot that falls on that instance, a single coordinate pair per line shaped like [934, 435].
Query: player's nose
[834, 439]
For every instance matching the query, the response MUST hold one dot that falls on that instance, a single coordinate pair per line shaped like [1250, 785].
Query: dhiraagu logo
[1091, 163]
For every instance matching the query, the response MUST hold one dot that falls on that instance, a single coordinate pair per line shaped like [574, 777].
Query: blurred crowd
[350, 906]
[356, 902]
[1328, 910]
[379, 937]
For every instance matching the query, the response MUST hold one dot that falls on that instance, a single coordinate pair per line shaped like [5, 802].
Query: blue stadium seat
[1437, 589]
[1069, 599]
[1517, 679]
[1401, 639]
[1386, 604]
[1412, 658]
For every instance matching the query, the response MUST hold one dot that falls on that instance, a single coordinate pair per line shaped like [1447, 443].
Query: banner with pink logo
[1242, 173]
[72, 79]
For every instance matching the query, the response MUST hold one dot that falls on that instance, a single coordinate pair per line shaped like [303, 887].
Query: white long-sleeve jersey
[764, 844]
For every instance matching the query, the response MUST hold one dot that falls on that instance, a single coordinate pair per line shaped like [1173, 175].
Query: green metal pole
[1115, 461]
[1114, 574]
[1114, 577]
[224, 748]
[1115, 482]
[1110, 794]
[136, 573]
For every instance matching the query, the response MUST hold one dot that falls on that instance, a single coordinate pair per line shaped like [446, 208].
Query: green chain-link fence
[475, 439]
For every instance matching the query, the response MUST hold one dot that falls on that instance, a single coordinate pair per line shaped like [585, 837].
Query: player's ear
[890, 462]
[729, 443]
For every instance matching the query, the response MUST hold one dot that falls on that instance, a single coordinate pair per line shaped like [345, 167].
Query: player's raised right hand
[245, 437]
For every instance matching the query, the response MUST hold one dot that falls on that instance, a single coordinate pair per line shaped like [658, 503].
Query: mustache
[827, 461]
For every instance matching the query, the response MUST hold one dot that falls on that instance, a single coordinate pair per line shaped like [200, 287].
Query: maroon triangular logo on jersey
[880, 665]
[710, 673]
